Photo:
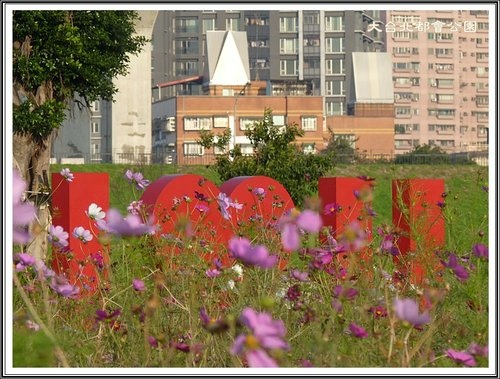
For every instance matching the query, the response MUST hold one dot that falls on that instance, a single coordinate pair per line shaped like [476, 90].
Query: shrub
[276, 154]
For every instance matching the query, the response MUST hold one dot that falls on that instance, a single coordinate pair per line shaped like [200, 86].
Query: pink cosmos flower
[461, 357]
[82, 234]
[480, 250]
[459, 270]
[225, 203]
[292, 224]
[331, 208]
[299, 275]
[265, 334]
[357, 331]
[57, 236]
[138, 285]
[131, 225]
[136, 178]
[212, 273]
[23, 261]
[477, 350]
[23, 212]
[202, 208]
[61, 285]
[259, 192]
[66, 173]
[407, 310]
[257, 255]
[135, 207]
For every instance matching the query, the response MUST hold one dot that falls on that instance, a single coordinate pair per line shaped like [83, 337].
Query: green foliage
[58, 54]
[341, 149]
[424, 154]
[275, 155]
[32, 349]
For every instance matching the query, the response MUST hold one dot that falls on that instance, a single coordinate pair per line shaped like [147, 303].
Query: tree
[275, 154]
[424, 154]
[340, 148]
[57, 56]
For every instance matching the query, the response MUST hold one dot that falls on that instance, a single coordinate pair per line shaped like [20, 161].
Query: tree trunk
[33, 161]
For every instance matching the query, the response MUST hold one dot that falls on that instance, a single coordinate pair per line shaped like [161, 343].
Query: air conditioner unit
[434, 98]
[434, 84]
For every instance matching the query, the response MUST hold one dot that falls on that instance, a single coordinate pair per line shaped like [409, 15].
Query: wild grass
[161, 326]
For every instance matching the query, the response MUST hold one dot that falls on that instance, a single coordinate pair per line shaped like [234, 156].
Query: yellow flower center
[251, 342]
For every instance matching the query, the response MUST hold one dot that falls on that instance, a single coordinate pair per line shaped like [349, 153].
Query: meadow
[167, 307]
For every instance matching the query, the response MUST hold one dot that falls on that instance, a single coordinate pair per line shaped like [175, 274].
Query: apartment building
[309, 46]
[440, 78]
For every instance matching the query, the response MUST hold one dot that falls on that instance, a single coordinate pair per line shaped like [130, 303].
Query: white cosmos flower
[95, 212]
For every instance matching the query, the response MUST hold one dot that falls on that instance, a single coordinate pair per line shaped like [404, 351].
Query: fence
[472, 157]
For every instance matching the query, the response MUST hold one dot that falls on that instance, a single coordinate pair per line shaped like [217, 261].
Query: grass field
[160, 325]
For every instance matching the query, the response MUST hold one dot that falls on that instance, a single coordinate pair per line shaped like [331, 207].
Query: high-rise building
[299, 52]
[440, 78]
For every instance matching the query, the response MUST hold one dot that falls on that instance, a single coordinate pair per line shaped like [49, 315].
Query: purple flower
[82, 234]
[61, 285]
[253, 255]
[135, 207]
[152, 342]
[23, 213]
[225, 203]
[337, 306]
[300, 276]
[331, 208]
[102, 315]
[23, 261]
[43, 271]
[265, 334]
[137, 179]
[461, 357]
[291, 225]
[98, 259]
[202, 208]
[129, 226]
[441, 204]
[212, 273]
[57, 236]
[200, 196]
[477, 350]
[459, 270]
[259, 192]
[357, 331]
[378, 311]
[138, 285]
[346, 293]
[66, 173]
[407, 311]
[211, 324]
[480, 250]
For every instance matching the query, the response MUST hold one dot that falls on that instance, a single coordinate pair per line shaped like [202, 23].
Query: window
[96, 148]
[335, 67]
[246, 123]
[444, 67]
[401, 66]
[186, 25]
[279, 120]
[185, 68]
[442, 113]
[406, 128]
[246, 149]
[288, 45]
[289, 67]
[208, 24]
[221, 122]
[482, 71]
[442, 128]
[350, 138]
[96, 127]
[192, 148]
[334, 45]
[311, 18]
[444, 83]
[288, 24]
[401, 50]
[186, 46]
[309, 123]
[197, 123]
[335, 88]
[402, 111]
[95, 106]
[233, 24]
[402, 81]
[334, 108]
[482, 26]
[445, 98]
[443, 52]
[309, 148]
[334, 23]
[482, 100]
